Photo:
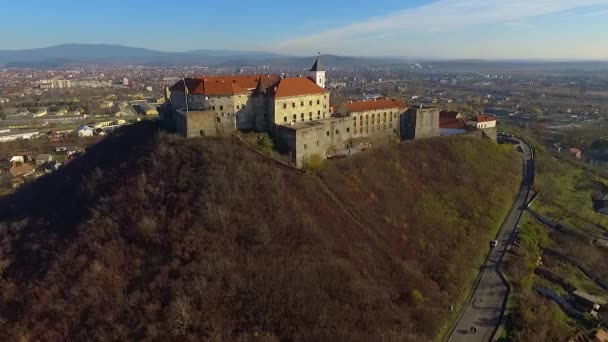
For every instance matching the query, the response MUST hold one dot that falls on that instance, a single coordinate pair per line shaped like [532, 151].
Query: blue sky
[548, 29]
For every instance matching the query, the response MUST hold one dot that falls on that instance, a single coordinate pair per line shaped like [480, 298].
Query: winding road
[485, 308]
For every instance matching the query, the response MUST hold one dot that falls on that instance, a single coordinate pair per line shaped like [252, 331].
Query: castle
[296, 111]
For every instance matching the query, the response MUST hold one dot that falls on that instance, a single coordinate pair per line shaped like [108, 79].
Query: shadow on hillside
[47, 211]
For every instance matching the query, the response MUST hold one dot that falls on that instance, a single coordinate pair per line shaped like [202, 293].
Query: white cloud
[439, 16]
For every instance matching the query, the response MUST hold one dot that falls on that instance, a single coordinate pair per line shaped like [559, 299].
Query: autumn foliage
[151, 237]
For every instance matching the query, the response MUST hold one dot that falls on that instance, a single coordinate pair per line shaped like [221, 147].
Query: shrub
[265, 144]
[313, 164]
[417, 298]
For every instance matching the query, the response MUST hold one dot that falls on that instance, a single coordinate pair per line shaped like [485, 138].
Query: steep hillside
[149, 237]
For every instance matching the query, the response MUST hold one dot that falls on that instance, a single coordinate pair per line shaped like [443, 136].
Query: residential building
[85, 131]
[147, 109]
[22, 170]
[577, 153]
[485, 123]
[54, 84]
[18, 135]
[43, 158]
[601, 336]
[588, 302]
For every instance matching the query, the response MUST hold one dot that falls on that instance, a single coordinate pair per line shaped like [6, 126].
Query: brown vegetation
[149, 237]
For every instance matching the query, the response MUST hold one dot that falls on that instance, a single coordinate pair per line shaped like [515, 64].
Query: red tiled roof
[296, 86]
[452, 123]
[377, 104]
[223, 85]
[483, 118]
[601, 336]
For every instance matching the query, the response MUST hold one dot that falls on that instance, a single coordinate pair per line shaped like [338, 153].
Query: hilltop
[106, 54]
[150, 237]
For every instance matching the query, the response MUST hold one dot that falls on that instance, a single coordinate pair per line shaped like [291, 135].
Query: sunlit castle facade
[295, 111]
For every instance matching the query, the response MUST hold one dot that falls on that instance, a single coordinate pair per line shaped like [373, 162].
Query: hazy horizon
[444, 29]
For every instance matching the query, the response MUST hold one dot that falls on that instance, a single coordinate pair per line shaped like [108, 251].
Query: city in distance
[430, 170]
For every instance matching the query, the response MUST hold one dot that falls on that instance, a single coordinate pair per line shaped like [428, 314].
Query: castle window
[384, 114]
[373, 116]
[310, 103]
[337, 132]
[293, 105]
[319, 112]
[355, 123]
[305, 146]
[222, 108]
[327, 133]
[213, 107]
[347, 129]
[284, 119]
[310, 115]
[318, 101]
[237, 107]
[295, 117]
[284, 105]
[217, 119]
[361, 130]
[301, 103]
[317, 142]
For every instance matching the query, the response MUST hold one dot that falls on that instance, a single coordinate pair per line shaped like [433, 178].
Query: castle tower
[317, 73]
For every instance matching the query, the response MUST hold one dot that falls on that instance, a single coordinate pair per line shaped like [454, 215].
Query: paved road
[484, 310]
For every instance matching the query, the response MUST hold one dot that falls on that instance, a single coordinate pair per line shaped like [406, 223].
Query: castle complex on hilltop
[296, 111]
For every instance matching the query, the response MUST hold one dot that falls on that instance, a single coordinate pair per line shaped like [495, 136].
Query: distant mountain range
[78, 54]
[81, 54]
[73, 55]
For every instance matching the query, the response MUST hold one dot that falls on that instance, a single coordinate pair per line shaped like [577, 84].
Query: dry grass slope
[154, 238]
